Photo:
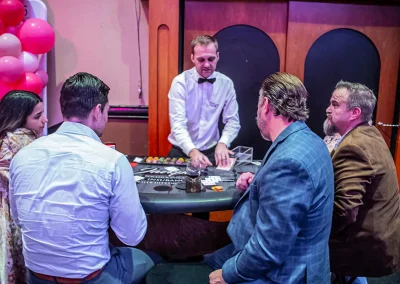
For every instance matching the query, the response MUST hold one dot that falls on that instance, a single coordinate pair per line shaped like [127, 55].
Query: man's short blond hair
[204, 40]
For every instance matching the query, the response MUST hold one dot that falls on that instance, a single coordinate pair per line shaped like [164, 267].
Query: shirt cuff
[229, 271]
[187, 147]
[225, 140]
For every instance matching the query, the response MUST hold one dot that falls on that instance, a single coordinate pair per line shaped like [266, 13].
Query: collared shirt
[339, 140]
[194, 111]
[65, 191]
[344, 135]
[331, 141]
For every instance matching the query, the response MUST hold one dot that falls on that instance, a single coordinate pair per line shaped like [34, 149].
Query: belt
[63, 280]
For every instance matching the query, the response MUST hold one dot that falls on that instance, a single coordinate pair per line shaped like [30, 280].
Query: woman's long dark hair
[15, 107]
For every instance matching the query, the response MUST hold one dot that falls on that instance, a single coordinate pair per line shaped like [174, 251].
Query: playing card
[229, 166]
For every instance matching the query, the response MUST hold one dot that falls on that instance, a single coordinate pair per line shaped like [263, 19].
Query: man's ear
[266, 105]
[355, 113]
[97, 112]
[192, 58]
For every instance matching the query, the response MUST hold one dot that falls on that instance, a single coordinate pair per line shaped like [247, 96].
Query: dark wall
[341, 54]
[247, 56]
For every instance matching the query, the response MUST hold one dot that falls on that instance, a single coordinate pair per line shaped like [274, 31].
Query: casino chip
[217, 188]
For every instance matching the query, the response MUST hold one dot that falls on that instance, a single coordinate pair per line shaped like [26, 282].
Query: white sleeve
[230, 117]
[177, 116]
[128, 219]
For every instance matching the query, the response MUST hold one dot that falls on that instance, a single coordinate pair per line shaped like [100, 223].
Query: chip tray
[164, 161]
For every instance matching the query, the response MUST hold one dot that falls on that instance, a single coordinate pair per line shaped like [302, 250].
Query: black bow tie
[202, 80]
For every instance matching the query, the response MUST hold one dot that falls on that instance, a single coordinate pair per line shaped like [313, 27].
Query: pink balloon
[2, 27]
[12, 12]
[37, 36]
[9, 45]
[11, 69]
[30, 61]
[12, 30]
[5, 88]
[43, 76]
[30, 82]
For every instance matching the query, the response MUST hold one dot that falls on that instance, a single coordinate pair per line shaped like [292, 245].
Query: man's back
[66, 188]
[284, 219]
[366, 243]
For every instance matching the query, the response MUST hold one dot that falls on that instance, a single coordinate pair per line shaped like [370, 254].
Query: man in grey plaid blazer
[281, 224]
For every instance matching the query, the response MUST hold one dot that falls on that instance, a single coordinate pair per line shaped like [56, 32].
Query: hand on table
[199, 157]
[244, 181]
[216, 277]
[222, 155]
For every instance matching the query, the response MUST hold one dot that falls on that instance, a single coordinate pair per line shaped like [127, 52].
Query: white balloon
[10, 45]
[30, 61]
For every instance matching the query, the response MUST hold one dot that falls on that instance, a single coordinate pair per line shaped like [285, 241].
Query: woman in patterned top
[21, 121]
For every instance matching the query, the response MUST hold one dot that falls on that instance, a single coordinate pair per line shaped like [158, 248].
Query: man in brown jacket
[365, 235]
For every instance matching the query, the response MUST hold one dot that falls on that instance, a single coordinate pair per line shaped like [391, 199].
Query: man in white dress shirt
[196, 100]
[66, 189]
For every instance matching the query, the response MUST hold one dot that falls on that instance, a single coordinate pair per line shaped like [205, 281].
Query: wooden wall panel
[163, 67]
[381, 24]
[209, 17]
[397, 155]
[130, 136]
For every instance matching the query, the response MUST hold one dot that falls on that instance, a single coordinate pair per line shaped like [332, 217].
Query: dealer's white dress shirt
[194, 111]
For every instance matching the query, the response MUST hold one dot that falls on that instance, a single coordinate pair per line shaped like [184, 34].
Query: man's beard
[261, 125]
[329, 129]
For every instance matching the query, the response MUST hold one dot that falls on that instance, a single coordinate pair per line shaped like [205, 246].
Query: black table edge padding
[153, 203]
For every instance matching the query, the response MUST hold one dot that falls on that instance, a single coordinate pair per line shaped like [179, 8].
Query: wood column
[397, 156]
[163, 67]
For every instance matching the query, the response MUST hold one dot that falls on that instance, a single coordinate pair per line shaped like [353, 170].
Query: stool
[179, 273]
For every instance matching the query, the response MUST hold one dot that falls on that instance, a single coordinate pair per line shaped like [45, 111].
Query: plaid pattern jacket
[281, 224]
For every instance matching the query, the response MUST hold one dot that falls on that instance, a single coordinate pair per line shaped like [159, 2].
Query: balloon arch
[22, 43]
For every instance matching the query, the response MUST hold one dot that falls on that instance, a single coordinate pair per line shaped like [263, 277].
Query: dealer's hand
[199, 157]
[244, 181]
[222, 155]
